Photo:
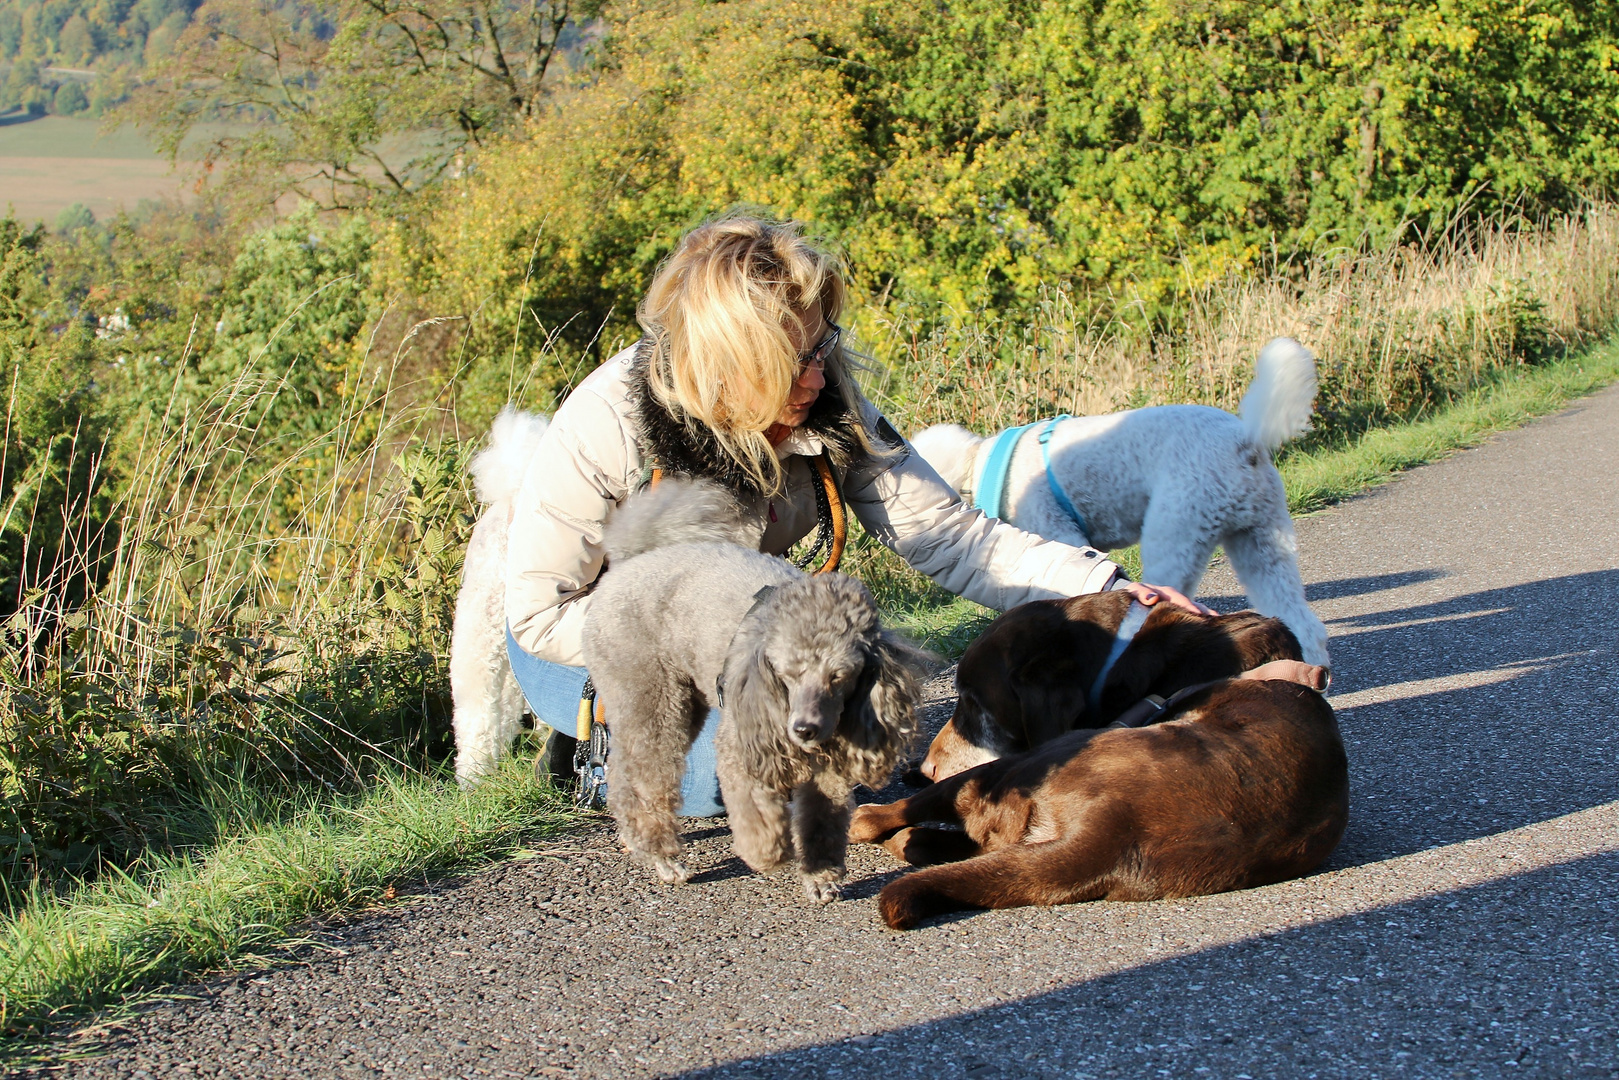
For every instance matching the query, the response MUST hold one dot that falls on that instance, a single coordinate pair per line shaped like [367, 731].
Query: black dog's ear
[1050, 704]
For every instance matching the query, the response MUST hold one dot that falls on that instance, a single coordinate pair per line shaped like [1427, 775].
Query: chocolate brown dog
[1243, 783]
[1031, 675]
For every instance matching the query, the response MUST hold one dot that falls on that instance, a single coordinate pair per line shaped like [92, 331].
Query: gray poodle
[816, 697]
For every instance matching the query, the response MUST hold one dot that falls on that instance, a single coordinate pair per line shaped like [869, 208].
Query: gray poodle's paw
[763, 857]
[764, 865]
[824, 886]
[669, 871]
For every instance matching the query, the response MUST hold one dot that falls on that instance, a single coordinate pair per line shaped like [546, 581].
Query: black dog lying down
[1031, 676]
[1240, 783]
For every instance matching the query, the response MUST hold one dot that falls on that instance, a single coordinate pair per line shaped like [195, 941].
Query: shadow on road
[1338, 588]
[1448, 984]
[1528, 734]
[1476, 714]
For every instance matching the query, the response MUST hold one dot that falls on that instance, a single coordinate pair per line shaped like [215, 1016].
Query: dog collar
[1152, 707]
[1133, 620]
[989, 493]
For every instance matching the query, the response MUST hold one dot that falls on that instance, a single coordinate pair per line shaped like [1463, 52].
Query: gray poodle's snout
[812, 716]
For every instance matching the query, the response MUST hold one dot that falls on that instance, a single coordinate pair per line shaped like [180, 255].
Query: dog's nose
[930, 769]
[805, 730]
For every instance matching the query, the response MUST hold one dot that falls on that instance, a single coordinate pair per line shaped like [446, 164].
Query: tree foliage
[968, 153]
[53, 47]
[340, 102]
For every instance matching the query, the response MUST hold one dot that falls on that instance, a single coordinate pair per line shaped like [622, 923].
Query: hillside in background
[79, 56]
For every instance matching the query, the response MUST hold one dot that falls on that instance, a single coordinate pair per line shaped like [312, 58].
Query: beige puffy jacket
[589, 460]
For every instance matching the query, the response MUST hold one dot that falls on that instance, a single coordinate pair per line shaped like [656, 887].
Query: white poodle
[1178, 478]
[488, 701]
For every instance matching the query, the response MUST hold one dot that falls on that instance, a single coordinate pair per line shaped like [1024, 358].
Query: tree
[968, 154]
[75, 217]
[348, 101]
[53, 473]
[71, 98]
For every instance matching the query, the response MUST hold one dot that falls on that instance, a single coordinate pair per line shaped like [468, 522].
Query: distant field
[52, 162]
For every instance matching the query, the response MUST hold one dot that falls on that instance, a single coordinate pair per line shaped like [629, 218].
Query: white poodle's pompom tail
[677, 511]
[1278, 405]
[497, 471]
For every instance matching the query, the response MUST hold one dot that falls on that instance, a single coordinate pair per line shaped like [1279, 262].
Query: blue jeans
[553, 693]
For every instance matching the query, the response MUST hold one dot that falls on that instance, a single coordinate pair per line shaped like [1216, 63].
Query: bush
[220, 652]
[53, 481]
[970, 156]
[69, 99]
[75, 217]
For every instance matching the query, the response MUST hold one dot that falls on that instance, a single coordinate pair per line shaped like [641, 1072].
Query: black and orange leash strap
[831, 517]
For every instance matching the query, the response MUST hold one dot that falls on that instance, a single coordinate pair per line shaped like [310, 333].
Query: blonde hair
[718, 310]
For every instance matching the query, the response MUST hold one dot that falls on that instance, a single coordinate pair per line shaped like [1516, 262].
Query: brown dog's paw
[896, 844]
[898, 907]
[924, 845]
[869, 824]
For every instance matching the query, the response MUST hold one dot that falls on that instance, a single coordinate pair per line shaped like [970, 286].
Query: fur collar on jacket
[686, 447]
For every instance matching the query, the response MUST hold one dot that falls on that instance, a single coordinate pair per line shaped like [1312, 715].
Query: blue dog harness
[989, 494]
[1134, 619]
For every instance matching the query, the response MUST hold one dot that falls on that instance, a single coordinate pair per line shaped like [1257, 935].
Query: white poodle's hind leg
[1176, 542]
[488, 706]
[1266, 563]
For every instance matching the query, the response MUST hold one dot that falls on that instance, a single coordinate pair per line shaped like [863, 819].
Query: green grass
[236, 903]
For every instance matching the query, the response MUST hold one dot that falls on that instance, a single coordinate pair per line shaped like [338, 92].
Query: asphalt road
[1466, 926]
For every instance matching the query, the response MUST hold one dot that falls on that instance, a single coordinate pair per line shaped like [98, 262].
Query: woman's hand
[1152, 594]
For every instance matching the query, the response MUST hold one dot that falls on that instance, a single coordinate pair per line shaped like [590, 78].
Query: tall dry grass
[256, 608]
[1396, 329]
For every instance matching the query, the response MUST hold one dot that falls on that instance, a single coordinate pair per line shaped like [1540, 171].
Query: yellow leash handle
[582, 724]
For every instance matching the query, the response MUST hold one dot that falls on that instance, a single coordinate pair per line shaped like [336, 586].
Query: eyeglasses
[816, 357]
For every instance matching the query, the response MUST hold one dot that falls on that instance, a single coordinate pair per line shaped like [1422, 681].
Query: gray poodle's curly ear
[755, 708]
[881, 713]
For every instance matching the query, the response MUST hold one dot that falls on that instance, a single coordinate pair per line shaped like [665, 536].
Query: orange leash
[834, 506]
